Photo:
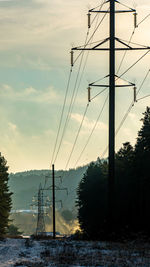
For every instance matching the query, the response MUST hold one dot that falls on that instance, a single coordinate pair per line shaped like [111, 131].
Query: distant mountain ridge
[25, 185]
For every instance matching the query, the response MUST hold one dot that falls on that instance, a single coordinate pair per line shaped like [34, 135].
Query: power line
[61, 117]
[132, 104]
[91, 132]
[125, 5]
[134, 63]
[78, 88]
[100, 6]
[135, 43]
[62, 113]
[128, 111]
[75, 98]
[130, 42]
[91, 38]
[75, 94]
[68, 114]
[141, 98]
[143, 20]
[75, 141]
[143, 81]
[118, 78]
[81, 76]
[121, 62]
[128, 68]
[120, 67]
[99, 93]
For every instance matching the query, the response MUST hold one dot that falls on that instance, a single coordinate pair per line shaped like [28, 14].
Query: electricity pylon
[42, 204]
[112, 48]
[53, 187]
[40, 229]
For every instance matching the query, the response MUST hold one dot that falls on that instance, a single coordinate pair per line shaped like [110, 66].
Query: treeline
[132, 191]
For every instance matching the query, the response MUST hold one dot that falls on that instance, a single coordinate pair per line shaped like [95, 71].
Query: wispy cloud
[31, 94]
[88, 124]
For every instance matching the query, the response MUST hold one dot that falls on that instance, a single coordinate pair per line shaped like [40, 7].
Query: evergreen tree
[142, 172]
[5, 196]
[132, 191]
[13, 230]
[92, 201]
[124, 187]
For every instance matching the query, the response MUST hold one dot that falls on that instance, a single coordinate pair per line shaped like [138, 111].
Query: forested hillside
[25, 185]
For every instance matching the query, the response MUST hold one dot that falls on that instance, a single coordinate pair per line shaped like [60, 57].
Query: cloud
[38, 63]
[132, 116]
[36, 29]
[47, 95]
[88, 124]
[12, 127]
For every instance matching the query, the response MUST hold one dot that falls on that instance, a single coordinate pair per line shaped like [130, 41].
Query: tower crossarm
[107, 49]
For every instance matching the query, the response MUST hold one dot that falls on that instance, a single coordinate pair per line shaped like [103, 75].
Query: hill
[24, 186]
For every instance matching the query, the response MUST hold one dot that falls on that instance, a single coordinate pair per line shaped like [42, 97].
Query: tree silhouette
[92, 201]
[5, 196]
[142, 172]
[132, 191]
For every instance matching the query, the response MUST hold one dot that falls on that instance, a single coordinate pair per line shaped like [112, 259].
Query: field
[32, 253]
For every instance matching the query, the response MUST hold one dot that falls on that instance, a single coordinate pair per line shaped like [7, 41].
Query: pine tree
[92, 201]
[13, 230]
[142, 172]
[124, 182]
[5, 196]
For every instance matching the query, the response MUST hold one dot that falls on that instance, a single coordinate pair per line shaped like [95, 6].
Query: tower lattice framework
[40, 220]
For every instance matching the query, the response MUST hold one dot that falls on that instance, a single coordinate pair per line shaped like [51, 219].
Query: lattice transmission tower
[39, 202]
[40, 220]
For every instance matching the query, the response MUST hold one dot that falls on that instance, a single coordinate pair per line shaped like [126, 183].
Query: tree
[92, 201]
[14, 230]
[124, 187]
[132, 191]
[142, 172]
[5, 196]
[133, 181]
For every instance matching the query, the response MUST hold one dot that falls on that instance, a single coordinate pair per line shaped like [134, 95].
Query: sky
[36, 37]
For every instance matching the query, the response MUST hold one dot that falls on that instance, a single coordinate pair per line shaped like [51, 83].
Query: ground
[31, 253]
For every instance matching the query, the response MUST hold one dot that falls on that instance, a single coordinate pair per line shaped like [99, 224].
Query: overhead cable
[81, 78]
[99, 93]
[91, 131]
[68, 114]
[91, 37]
[62, 113]
[121, 62]
[125, 5]
[128, 111]
[141, 98]
[134, 63]
[143, 20]
[76, 138]
[75, 94]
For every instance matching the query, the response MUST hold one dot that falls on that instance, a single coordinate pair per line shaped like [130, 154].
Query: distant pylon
[40, 220]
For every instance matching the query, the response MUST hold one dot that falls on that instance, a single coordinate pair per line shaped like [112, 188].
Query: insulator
[89, 94]
[135, 20]
[89, 20]
[134, 93]
[71, 58]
